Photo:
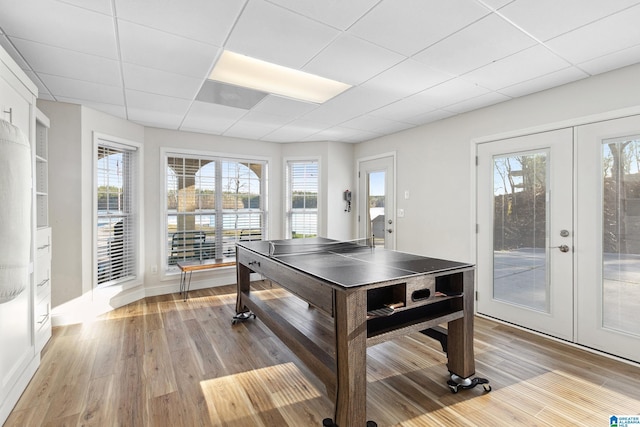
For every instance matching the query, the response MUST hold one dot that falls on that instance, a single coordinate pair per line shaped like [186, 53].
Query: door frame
[359, 161]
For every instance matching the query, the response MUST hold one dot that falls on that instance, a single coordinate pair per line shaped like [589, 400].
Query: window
[211, 203]
[302, 198]
[117, 208]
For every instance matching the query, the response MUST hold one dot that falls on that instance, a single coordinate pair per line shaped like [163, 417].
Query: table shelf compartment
[451, 284]
[384, 296]
[441, 311]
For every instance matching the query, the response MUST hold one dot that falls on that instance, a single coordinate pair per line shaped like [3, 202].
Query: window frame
[288, 227]
[136, 279]
[170, 271]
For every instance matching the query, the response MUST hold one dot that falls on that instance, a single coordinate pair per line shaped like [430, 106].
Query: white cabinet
[19, 333]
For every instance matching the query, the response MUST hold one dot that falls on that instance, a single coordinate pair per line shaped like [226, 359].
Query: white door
[608, 236]
[525, 231]
[376, 201]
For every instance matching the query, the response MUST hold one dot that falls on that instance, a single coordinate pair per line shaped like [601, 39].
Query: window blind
[116, 242]
[302, 198]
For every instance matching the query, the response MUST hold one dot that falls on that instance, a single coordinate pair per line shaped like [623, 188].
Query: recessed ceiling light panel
[242, 70]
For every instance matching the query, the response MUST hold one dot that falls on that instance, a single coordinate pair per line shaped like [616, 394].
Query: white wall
[65, 196]
[434, 160]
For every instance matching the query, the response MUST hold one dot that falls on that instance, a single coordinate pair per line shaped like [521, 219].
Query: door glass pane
[520, 230]
[376, 197]
[621, 234]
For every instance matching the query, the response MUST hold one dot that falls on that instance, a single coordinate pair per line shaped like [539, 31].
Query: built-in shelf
[42, 170]
[42, 307]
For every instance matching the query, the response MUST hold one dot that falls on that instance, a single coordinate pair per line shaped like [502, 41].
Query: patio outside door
[525, 231]
[376, 203]
[608, 235]
[558, 238]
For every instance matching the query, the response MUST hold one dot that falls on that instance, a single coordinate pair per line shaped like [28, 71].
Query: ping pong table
[373, 295]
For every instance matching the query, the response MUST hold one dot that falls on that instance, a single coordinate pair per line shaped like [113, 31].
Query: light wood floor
[165, 362]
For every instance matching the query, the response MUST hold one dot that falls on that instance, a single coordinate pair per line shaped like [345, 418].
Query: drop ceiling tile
[404, 109]
[477, 102]
[352, 60]
[161, 111]
[450, 92]
[609, 62]
[430, 117]
[205, 20]
[297, 130]
[376, 124]
[522, 66]
[487, 40]
[114, 110]
[390, 126]
[243, 129]
[496, 4]
[545, 19]
[160, 82]
[266, 119]
[352, 103]
[166, 52]
[609, 35]
[280, 106]
[264, 26]
[205, 117]
[68, 63]
[408, 26]
[102, 6]
[548, 81]
[256, 125]
[79, 89]
[336, 133]
[409, 77]
[367, 122]
[337, 13]
[60, 24]
[363, 135]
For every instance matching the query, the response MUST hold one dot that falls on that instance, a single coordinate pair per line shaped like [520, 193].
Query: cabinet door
[14, 107]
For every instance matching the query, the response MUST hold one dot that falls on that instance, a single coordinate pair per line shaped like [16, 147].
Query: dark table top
[348, 264]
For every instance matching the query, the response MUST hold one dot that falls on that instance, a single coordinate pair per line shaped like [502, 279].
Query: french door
[558, 238]
[525, 231]
[608, 235]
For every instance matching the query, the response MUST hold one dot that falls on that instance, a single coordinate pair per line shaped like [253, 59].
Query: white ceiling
[410, 61]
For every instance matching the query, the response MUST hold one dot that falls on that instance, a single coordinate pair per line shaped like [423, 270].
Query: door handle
[563, 248]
